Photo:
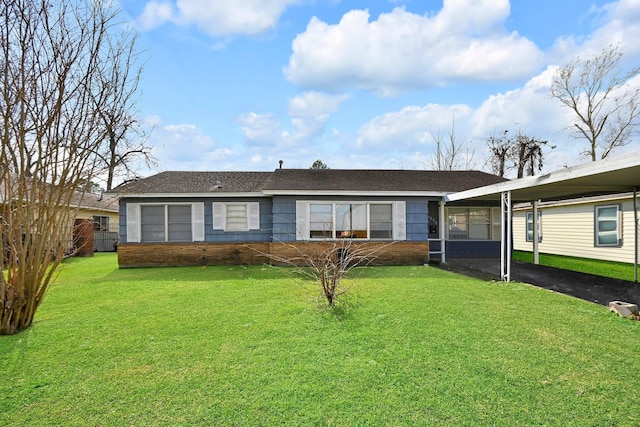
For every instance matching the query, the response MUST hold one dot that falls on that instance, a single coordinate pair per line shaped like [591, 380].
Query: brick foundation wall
[191, 254]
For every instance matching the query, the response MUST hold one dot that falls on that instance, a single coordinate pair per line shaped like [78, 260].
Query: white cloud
[412, 128]
[175, 145]
[309, 114]
[465, 41]
[260, 129]
[155, 14]
[619, 22]
[217, 18]
[410, 132]
[529, 107]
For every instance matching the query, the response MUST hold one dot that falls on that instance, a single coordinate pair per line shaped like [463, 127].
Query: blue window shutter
[197, 221]
[133, 223]
[302, 220]
[253, 216]
[218, 216]
[399, 221]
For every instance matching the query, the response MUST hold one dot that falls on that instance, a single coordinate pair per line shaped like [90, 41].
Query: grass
[249, 346]
[616, 270]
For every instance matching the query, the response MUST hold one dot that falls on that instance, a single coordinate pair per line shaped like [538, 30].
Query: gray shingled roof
[308, 180]
[377, 180]
[95, 201]
[196, 182]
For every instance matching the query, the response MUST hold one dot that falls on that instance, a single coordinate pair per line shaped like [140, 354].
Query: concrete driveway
[600, 290]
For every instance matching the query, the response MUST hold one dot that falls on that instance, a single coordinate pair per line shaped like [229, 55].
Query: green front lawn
[249, 346]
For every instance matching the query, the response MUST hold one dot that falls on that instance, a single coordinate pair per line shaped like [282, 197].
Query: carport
[609, 176]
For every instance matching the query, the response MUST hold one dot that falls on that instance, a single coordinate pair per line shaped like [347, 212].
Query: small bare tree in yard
[328, 263]
[606, 105]
[52, 96]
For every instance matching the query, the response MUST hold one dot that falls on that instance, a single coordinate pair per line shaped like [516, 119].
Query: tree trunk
[17, 313]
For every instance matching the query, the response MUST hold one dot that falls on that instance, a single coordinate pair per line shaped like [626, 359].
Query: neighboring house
[200, 218]
[599, 227]
[100, 213]
[103, 212]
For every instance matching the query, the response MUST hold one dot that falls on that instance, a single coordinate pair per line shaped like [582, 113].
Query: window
[473, 223]
[529, 236]
[165, 223]
[100, 223]
[351, 221]
[156, 222]
[320, 221]
[236, 217]
[179, 223]
[357, 220]
[607, 225]
[239, 216]
[381, 221]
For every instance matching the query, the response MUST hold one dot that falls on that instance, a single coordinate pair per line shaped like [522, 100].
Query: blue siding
[284, 219]
[284, 215]
[417, 220]
[262, 235]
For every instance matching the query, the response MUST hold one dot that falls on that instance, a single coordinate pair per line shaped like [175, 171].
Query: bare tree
[499, 147]
[452, 153]
[600, 94]
[522, 153]
[125, 138]
[52, 94]
[527, 154]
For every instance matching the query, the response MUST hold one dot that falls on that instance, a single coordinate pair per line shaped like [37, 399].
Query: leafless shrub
[327, 263]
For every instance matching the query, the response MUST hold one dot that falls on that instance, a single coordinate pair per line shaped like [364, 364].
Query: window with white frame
[607, 225]
[236, 216]
[353, 220]
[475, 223]
[159, 222]
[529, 236]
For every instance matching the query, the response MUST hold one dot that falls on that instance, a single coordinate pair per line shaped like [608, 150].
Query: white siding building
[591, 227]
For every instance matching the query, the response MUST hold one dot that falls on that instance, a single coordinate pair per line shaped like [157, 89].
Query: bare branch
[599, 94]
[327, 263]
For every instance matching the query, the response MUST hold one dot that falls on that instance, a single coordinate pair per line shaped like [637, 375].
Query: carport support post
[505, 243]
[443, 235]
[536, 237]
[635, 229]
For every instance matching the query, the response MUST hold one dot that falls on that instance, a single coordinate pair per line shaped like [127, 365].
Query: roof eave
[190, 195]
[355, 193]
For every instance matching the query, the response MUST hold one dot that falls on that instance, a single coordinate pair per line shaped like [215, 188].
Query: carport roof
[609, 176]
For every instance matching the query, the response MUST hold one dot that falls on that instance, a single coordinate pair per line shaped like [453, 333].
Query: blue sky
[240, 85]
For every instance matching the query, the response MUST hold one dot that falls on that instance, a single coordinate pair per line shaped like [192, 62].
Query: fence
[106, 240]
